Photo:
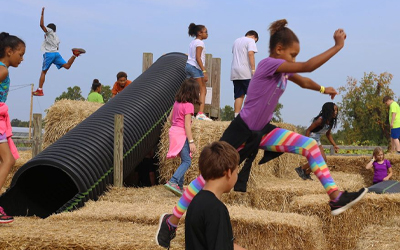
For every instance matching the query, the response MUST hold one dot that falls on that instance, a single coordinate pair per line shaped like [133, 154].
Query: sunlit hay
[356, 164]
[257, 229]
[208, 132]
[276, 194]
[384, 237]
[24, 156]
[343, 231]
[63, 116]
[34, 233]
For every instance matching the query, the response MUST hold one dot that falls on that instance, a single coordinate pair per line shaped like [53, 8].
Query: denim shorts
[50, 58]
[240, 87]
[395, 133]
[193, 72]
[3, 137]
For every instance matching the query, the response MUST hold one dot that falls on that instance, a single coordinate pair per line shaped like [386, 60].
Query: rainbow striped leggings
[278, 140]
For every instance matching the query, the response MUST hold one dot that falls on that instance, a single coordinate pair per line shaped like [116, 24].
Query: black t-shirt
[207, 224]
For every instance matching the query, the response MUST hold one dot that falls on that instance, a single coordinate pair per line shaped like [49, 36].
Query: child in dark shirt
[207, 223]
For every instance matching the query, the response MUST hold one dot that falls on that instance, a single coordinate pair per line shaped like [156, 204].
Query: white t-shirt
[192, 53]
[51, 41]
[240, 68]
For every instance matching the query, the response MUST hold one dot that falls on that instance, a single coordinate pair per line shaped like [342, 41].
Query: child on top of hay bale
[207, 223]
[252, 129]
[381, 166]
[12, 50]
[180, 134]
[322, 124]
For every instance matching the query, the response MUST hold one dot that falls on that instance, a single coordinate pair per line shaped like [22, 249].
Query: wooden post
[30, 114]
[37, 135]
[118, 150]
[147, 61]
[216, 82]
[332, 150]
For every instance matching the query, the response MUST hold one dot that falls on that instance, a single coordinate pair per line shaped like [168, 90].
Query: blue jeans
[179, 174]
[193, 72]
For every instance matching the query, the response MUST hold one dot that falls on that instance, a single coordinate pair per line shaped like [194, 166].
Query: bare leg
[203, 92]
[7, 161]
[396, 145]
[42, 78]
[69, 63]
[238, 103]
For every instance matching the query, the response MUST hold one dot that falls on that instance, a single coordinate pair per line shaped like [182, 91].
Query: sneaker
[78, 51]
[4, 218]
[174, 188]
[203, 117]
[308, 177]
[301, 173]
[165, 232]
[38, 92]
[346, 201]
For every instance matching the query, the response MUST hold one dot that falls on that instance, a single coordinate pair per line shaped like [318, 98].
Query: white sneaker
[203, 117]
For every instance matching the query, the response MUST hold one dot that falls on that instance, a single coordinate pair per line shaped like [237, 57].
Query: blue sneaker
[174, 188]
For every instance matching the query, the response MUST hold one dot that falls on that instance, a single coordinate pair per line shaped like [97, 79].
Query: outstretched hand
[339, 36]
[42, 10]
[330, 91]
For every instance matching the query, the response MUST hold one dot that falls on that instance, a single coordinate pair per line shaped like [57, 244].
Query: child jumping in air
[51, 55]
[322, 124]
[180, 134]
[12, 50]
[252, 130]
[195, 65]
[207, 223]
[381, 166]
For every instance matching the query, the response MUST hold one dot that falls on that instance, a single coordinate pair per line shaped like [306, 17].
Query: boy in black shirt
[207, 223]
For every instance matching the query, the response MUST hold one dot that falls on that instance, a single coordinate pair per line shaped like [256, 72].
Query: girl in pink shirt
[180, 134]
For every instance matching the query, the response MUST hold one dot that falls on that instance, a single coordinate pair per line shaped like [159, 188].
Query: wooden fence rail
[332, 149]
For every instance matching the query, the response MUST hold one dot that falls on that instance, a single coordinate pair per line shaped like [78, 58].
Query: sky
[115, 35]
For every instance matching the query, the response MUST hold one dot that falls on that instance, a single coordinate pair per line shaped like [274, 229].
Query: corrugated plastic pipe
[79, 166]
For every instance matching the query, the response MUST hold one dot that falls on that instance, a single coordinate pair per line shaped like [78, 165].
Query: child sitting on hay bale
[207, 222]
[252, 129]
[381, 166]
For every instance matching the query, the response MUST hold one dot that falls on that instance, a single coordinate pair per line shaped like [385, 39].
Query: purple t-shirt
[381, 170]
[265, 89]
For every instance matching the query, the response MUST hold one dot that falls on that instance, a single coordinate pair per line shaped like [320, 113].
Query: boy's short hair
[216, 159]
[252, 33]
[387, 98]
[52, 26]
[121, 74]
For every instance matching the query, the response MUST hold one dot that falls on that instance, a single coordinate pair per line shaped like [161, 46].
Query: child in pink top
[180, 134]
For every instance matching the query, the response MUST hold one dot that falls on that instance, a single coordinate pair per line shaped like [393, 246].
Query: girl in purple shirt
[267, 85]
[382, 168]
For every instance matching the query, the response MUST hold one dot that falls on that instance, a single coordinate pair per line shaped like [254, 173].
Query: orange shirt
[116, 89]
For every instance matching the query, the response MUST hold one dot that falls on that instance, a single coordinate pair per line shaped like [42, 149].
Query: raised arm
[370, 163]
[42, 21]
[314, 63]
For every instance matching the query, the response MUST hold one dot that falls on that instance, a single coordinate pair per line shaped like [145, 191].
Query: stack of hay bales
[63, 116]
[207, 132]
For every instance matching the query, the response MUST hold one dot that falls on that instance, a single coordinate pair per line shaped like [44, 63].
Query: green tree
[73, 93]
[106, 93]
[363, 116]
[227, 113]
[277, 113]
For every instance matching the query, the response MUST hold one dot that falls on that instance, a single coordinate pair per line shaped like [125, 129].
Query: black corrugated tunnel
[79, 166]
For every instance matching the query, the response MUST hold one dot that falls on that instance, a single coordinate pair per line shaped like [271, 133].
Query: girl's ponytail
[280, 34]
[193, 29]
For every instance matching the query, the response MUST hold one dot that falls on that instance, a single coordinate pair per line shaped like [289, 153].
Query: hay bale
[63, 116]
[343, 231]
[276, 194]
[383, 237]
[34, 233]
[208, 132]
[356, 165]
